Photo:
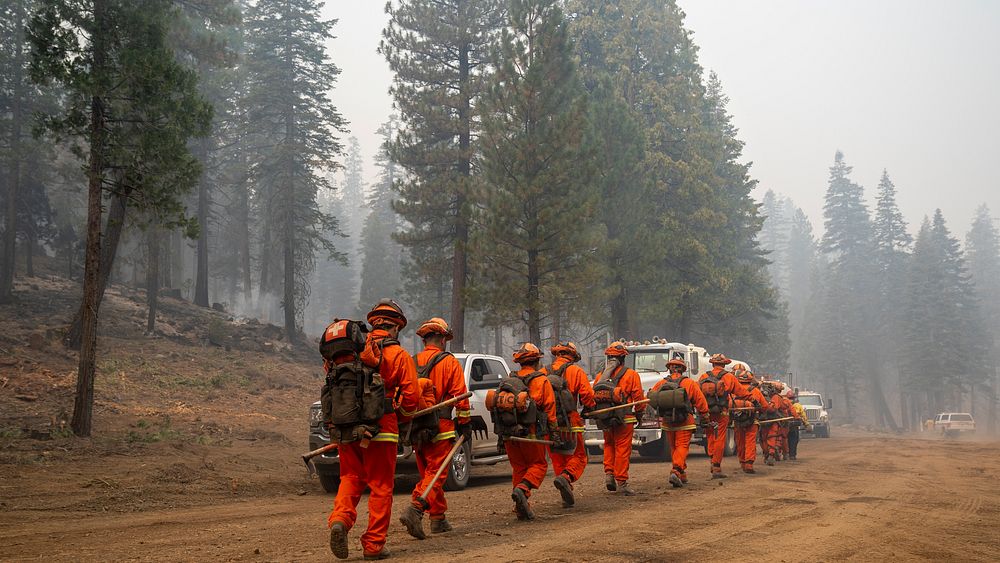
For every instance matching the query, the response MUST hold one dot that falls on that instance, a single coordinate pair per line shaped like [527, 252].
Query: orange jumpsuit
[717, 436]
[448, 380]
[572, 466]
[785, 426]
[618, 440]
[772, 431]
[746, 436]
[374, 467]
[679, 435]
[527, 461]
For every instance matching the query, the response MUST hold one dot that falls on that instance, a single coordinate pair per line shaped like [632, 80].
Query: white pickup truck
[482, 373]
[951, 424]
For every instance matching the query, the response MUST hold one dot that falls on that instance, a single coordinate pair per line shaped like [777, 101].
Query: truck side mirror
[829, 404]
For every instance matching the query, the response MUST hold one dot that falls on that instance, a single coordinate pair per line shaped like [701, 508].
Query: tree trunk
[881, 405]
[201, 272]
[112, 235]
[152, 276]
[244, 211]
[556, 326]
[83, 406]
[9, 259]
[534, 317]
[289, 290]
[498, 341]
[460, 264]
[29, 252]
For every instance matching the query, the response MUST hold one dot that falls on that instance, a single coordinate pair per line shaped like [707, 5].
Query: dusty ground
[852, 497]
[195, 457]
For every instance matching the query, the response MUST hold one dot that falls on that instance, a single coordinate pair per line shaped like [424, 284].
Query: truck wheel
[823, 432]
[460, 469]
[730, 448]
[329, 481]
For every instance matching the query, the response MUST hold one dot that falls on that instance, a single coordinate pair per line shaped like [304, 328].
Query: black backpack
[512, 408]
[605, 396]
[353, 395]
[565, 400]
[423, 429]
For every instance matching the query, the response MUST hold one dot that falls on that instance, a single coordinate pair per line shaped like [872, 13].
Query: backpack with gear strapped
[565, 401]
[512, 408]
[423, 429]
[607, 394]
[671, 401]
[353, 395]
[715, 394]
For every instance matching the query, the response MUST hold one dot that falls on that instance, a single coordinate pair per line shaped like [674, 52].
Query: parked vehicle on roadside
[951, 424]
[816, 412]
[482, 373]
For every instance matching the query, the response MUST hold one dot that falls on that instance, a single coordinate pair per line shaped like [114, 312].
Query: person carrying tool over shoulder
[719, 387]
[744, 415]
[677, 414]
[523, 410]
[785, 426]
[369, 460]
[617, 385]
[432, 439]
[571, 388]
[798, 412]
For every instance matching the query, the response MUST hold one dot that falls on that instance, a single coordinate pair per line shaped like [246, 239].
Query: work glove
[464, 429]
[706, 421]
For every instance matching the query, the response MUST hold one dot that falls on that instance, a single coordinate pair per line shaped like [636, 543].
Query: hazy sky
[909, 86]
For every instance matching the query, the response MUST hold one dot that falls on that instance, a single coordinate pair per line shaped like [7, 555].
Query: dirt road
[853, 497]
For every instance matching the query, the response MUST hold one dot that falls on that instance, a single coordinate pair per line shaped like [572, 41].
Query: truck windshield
[961, 418]
[649, 361]
[810, 400]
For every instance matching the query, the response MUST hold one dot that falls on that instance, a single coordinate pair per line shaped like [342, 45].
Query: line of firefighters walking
[377, 395]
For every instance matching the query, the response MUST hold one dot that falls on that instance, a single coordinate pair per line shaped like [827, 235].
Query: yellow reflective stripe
[385, 437]
[461, 414]
[444, 436]
[629, 419]
[577, 429]
[676, 428]
[405, 412]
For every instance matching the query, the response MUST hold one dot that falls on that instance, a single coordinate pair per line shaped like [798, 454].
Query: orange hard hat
[744, 375]
[616, 349]
[387, 311]
[566, 349]
[435, 325]
[718, 360]
[527, 353]
[677, 362]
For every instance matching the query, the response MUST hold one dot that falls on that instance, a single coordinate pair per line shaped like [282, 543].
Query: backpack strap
[561, 370]
[618, 374]
[424, 371]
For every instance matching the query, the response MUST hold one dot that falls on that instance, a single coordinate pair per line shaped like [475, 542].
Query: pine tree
[132, 108]
[538, 237]
[439, 52]
[847, 300]
[381, 268]
[982, 251]
[892, 243]
[289, 77]
[801, 256]
[774, 239]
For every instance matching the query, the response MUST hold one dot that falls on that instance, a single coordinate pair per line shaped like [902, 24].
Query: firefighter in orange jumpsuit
[372, 464]
[569, 468]
[618, 439]
[745, 419]
[773, 409]
[447, 380]
[527, 460]
[719, 386]
[785, 426]
[679, 431]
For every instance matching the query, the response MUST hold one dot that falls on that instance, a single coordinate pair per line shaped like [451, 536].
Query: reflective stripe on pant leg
[352, 484]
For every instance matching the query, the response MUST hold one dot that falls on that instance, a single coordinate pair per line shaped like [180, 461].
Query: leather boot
[338, 540]
[565, 490]
[413, 518]
[624, 489]
[384, 554]
[521, 505]
[440, 526]
[610, 483]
